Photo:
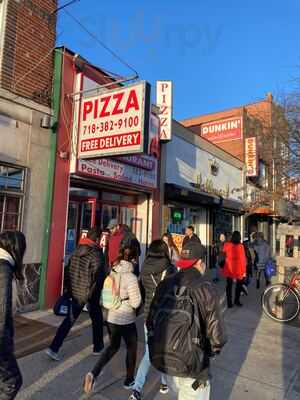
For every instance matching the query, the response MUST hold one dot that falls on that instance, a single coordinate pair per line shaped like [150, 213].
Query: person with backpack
[121, 295]
[83, 281]
[264, 254]
[186, 327]
[12, 249]
[156, 267]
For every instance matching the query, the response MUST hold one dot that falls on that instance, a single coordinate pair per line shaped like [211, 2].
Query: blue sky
[219, 54]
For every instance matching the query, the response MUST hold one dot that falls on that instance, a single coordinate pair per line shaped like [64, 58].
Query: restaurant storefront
[89, 192]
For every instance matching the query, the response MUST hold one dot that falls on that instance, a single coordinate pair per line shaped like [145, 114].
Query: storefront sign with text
[223, 130]
[164, 102]
[116, 171]
[251, 156]
[115, 122]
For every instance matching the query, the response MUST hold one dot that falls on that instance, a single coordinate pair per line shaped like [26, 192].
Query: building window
[12, 188]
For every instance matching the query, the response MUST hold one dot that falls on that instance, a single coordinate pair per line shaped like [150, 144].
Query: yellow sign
[178, 240]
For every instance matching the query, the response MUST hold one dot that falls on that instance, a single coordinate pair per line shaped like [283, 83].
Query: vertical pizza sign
[115, 122]
[164, 100]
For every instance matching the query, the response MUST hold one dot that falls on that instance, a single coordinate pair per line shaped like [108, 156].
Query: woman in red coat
[234, 267]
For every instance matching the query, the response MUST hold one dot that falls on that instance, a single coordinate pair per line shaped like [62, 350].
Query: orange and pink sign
[251, 156]
[223, 130]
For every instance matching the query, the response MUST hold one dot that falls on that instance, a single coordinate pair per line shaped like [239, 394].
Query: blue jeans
[144, 367]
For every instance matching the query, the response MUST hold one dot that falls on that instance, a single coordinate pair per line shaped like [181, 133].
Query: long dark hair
[236, 237]
[14, 243]
[171, 243]
[158, 248]
[126, 253]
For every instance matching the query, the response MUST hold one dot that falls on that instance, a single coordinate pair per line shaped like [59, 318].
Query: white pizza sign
[115, 122]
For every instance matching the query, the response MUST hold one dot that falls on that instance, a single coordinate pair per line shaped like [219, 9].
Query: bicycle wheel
[280, 303]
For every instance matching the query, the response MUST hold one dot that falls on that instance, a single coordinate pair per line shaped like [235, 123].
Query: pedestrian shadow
[290, 359]
[261, 358]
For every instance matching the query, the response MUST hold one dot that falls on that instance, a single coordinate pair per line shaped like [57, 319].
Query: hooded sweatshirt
[151, 275]
[130, 292]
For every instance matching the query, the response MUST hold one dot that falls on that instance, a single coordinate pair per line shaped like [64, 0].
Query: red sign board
[251, 156]
[115, 122]
[224, 130]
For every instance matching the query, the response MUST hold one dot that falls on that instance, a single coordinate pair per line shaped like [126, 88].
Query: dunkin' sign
[223, 130]
[115, 122]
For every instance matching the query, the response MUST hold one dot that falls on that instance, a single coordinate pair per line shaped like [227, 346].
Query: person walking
[182, 341]
[121, 237]
[157, 266]
[130, 240]
[12, 249]
[121, 322]
[218, 253]
[234, 267]
[173, 250]
[263, 254]
[115, 239]
[83, 282]
[190, 236]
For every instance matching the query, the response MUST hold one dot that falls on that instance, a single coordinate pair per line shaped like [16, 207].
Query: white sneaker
[54, 356]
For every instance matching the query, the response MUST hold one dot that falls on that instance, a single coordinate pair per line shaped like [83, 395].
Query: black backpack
[176, 342]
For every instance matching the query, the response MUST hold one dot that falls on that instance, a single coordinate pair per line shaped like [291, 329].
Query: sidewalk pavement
[260, 362]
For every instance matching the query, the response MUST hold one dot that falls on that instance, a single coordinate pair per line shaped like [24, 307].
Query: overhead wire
[101, 43]
[64, 6]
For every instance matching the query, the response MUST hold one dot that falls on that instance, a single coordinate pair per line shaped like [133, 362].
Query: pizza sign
[115, 122]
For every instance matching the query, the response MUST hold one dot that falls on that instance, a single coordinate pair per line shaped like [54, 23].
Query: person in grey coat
[263, 255]
[12, 249]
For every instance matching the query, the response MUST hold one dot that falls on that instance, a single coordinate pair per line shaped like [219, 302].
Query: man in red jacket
[115, 240]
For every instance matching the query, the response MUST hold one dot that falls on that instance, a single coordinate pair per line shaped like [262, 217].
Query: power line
[64, 6]
[93, 36]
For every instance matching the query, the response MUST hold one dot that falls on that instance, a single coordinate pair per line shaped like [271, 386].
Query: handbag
[270, 269]
[62, 306]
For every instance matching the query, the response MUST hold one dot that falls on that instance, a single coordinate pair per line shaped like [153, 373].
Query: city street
[260, 361]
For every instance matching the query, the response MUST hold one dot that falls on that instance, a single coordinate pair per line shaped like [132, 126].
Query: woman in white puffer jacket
[121, 322]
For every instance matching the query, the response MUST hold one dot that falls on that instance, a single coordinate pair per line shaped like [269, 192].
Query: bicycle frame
[295, 283]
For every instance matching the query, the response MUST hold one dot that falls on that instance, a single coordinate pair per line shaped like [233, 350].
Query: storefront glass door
[81, 217]
[128, 216]
[109, 212]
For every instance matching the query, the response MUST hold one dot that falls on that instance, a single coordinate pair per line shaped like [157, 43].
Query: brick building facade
[27, 43]
[264, 192]
[27, 39]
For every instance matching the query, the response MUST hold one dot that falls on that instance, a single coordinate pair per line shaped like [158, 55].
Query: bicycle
[281, 301]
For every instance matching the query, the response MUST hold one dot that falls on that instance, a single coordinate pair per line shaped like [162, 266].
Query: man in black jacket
[190, 236]
[211, 335]
[83, 282]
